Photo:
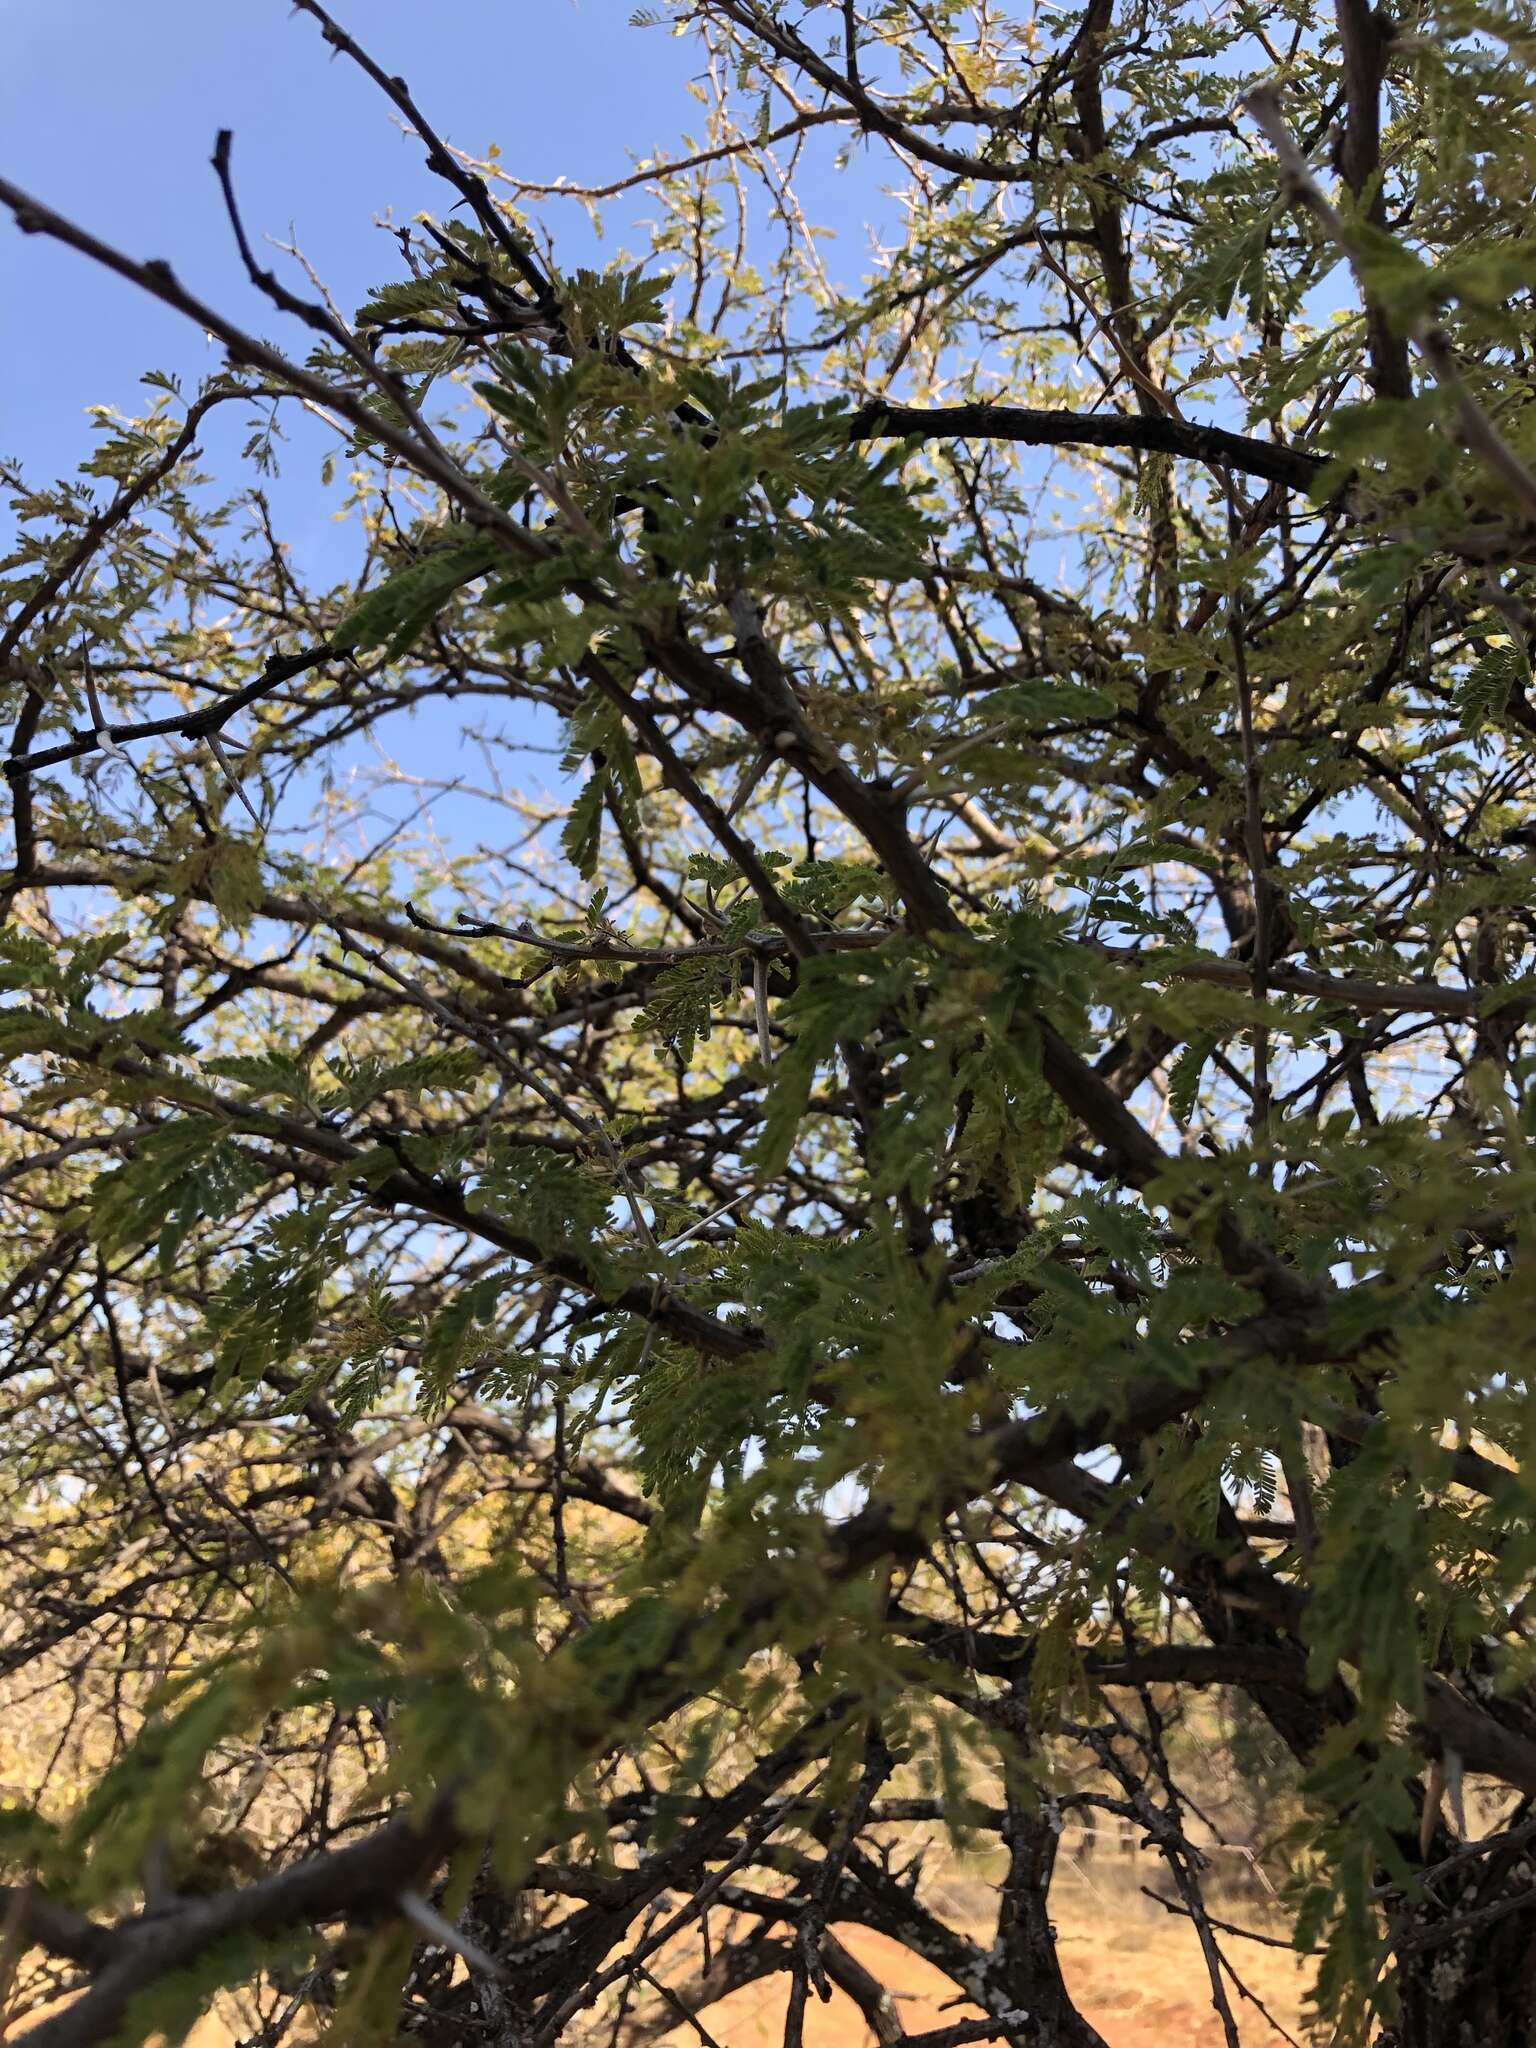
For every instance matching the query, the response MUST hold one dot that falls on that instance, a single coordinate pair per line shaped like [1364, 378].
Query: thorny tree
[564, 1405]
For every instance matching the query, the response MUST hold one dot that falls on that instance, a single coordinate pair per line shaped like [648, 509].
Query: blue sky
[108, 112]
[109, 108]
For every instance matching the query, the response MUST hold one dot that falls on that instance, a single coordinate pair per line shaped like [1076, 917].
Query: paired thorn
[428, 1921]
[760, 1005]
[233, 780]
[103, 732]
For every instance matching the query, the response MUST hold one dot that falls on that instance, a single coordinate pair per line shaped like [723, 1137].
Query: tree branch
[1156, 433]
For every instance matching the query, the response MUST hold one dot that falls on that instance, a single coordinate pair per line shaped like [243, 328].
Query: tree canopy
[925, 1162]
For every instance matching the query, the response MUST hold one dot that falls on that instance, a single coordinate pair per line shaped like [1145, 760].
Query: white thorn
[230, 776]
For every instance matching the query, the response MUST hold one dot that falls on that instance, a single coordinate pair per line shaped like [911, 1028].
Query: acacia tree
[567, 1401]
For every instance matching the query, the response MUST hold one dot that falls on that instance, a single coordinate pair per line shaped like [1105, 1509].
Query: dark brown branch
[197, 725]
[344, 1884]
[34, 1920]
[1365, 33]
[1156, 433]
